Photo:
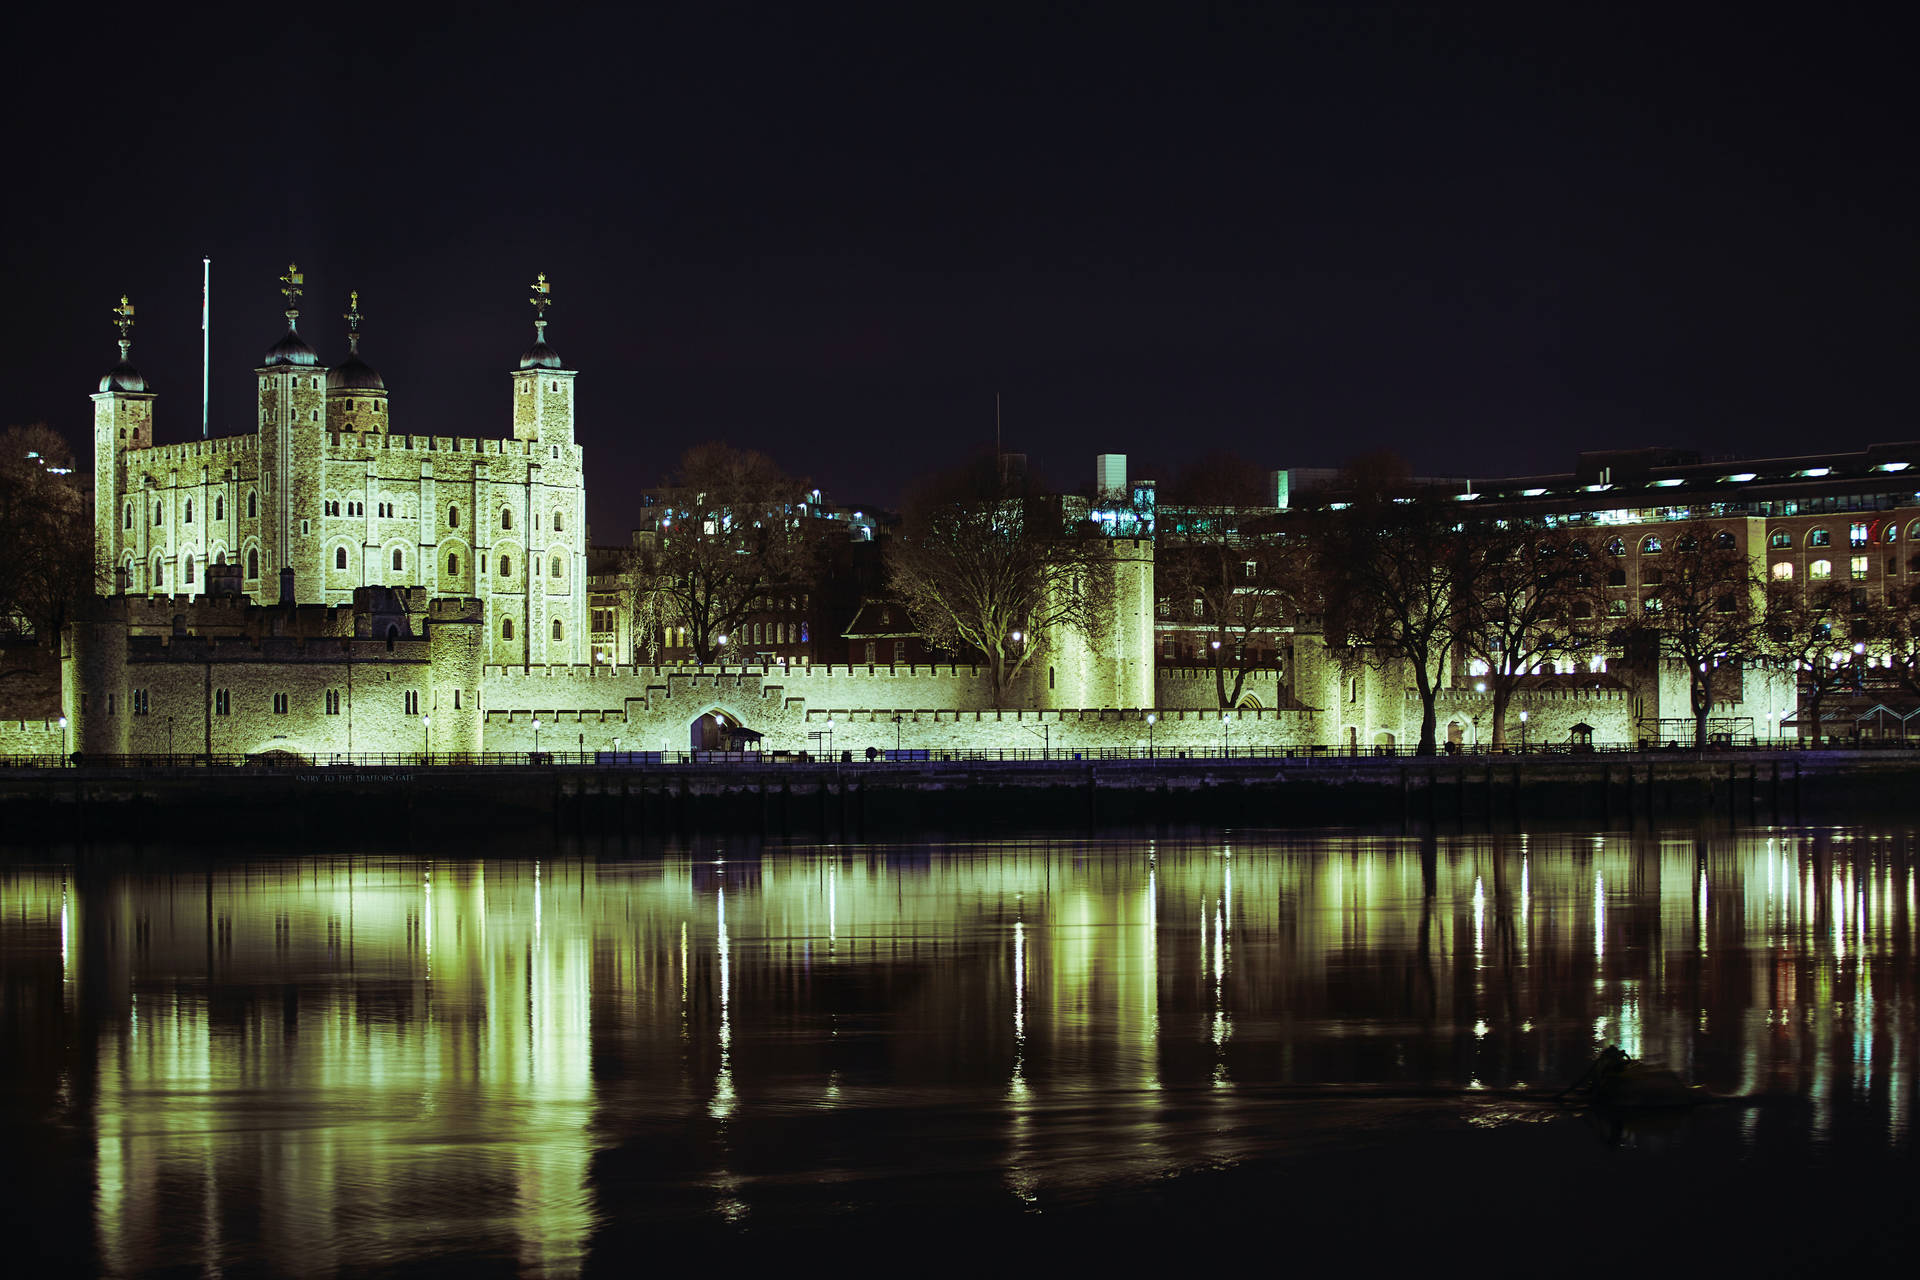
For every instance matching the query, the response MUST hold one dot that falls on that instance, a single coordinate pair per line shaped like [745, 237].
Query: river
[1325, 1046]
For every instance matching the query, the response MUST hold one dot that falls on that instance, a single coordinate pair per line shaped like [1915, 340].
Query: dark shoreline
[424, 806]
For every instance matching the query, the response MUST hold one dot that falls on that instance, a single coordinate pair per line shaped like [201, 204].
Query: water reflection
[355, 1063]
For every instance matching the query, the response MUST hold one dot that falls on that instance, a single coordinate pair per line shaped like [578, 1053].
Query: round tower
[93, 676]
[356, 394]
[455, 653]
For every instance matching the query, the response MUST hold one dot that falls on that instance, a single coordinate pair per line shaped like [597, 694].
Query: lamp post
[1150, 719]
[63, 738]
[536, 739]
[719, 646]
[426, 739]
[1226, 727]
[896, 737]
[1523, 733]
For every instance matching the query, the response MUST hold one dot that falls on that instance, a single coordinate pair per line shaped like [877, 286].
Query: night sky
[1485, 237]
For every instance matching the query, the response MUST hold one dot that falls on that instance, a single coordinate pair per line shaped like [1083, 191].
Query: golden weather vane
[353, 318]
[123, 320]
[542, 299]
[290, 288]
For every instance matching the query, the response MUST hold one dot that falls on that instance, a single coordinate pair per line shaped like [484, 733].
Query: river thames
[1328, 1047]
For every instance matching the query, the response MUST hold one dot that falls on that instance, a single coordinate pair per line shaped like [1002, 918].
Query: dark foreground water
[1290, 1053]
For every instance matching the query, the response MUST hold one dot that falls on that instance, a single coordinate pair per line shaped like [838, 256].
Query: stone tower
[292, 424]
[122, 423]
[542, 388]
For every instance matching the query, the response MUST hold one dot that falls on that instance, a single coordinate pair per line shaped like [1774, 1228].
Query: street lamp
[63, 736]
[536, 738]
[426, 738]
[1225, 728]
[1523, 733]
[896, 737]
[1150, 719]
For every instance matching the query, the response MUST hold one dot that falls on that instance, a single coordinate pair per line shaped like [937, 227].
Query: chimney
[286, 585]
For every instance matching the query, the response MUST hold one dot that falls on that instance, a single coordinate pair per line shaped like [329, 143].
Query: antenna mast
[206, 335]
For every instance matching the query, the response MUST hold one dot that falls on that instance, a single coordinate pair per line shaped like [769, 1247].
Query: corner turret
[542, 387]
[122, 422]
[356, 394]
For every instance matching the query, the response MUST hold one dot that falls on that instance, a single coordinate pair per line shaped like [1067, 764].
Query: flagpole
[206, 336]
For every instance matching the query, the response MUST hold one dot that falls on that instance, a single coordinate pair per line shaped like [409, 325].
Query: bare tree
[1391, 579]
[1519, 589]
[1226, 565]
[982, 561]
[727, 544]
[1814, 635]
[1708, 613]
[46, 531]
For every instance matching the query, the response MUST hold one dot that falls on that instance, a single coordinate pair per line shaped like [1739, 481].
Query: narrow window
[333, 702]
[506, 566]
[253, 504]
[253, 564]
[559, 632]
[506, 628]
[556, 566]
[506, 518]
[219, 507]
[223, 702]
[453, 565]
[453, 517]
[279, 704]
[556, 522]
[156, 514]
[339, 557]
[413, 702]
[399, 558]
[456, 699]
[129, 515]
[187, 576]
[189, 514]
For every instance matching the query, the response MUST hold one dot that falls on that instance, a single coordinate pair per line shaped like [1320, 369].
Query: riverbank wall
[485, 808]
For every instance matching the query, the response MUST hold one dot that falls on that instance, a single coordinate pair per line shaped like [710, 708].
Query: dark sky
[1484, 236]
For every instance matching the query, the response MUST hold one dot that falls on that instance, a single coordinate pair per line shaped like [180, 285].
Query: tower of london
[333, 487]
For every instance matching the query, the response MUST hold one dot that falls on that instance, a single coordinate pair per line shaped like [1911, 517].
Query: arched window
[559, 632]
[506, 628]
[506, 566]
[556, 566]
[1723, 539]
[189, 515]
[253, 504]
[253, 564]
[1818, 538]
[1892, 534]
[219, 506]
[159, 573]
[187, 577]
[506, 517]
[1779, 538]
[1783, 571]
[399, 559]
[556, 522]
[453, 517]
[129, 515]
[1820, 570]
[453, 565]
[1650, 545]
[1615, 547]
[156, 515]
[339, 557]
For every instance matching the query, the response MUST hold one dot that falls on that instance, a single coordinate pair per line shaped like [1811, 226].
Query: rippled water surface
[1326, 1047]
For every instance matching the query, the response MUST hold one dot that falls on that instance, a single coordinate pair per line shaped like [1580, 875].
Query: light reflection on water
[330, 1065]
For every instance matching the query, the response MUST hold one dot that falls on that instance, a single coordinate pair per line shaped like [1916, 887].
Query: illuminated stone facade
[327, 487]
